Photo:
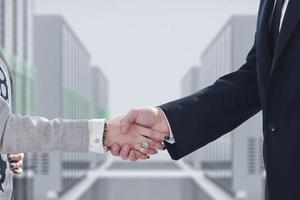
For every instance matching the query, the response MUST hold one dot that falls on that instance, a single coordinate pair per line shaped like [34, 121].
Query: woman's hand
[16, 162]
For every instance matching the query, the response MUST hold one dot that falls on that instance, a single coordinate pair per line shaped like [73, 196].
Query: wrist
[110, 129]
[163, 120]
[104, 135]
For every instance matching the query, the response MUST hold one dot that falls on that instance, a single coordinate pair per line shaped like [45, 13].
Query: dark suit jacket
[265, 82]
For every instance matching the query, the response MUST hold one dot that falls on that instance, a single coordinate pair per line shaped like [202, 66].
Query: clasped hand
[137, 135]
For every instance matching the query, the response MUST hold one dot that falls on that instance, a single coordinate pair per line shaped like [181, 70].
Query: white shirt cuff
[96, 128]
[172, 139]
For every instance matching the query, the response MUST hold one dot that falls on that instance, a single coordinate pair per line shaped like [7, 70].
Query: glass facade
[76, 102]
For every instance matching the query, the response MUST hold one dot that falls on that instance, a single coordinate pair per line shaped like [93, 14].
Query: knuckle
[132, 113]
[134, 110]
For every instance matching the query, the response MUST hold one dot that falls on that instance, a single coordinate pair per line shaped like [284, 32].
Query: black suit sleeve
[203, 117]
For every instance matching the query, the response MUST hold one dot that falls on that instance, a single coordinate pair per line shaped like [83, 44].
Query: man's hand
[151, 118]
[140, 140]
[16, 162]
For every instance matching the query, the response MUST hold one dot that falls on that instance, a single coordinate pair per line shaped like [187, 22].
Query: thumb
[128, 120]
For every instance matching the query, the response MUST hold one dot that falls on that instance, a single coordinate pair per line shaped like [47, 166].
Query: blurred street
[146, 180]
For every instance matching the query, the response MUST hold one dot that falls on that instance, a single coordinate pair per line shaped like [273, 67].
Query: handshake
[137, 135]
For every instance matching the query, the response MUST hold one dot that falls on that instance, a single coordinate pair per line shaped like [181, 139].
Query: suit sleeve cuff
[96, 128]
[172, 139]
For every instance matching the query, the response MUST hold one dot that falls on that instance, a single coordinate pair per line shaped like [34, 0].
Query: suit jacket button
[272, 128]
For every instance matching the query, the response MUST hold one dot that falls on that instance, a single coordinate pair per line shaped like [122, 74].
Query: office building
[64, 90]
[234, 161]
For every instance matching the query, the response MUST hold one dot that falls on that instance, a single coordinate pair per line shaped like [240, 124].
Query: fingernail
[167, 137]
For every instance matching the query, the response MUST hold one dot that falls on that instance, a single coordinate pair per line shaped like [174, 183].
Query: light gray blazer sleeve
[37, 134]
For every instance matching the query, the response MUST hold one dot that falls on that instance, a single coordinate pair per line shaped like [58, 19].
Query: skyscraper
[64, 90]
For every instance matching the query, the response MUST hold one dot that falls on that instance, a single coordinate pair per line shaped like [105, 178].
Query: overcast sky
[145, 46]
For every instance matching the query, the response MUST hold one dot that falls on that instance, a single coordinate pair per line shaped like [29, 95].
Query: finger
[155, 145]
[129, 119]
[115, 150]
[141, 156]
[151, 151]
[132, 156]
[152, 134]
[18, 171]
[125, 151]
[15, 157]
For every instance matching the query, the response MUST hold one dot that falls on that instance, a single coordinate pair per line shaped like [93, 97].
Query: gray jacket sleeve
[37, 134]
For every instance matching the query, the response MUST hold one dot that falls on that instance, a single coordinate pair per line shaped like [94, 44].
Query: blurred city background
[97, 59]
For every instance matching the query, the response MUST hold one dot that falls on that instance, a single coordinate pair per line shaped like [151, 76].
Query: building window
[44, 163]
[2, 23]
[40, 163]
[261, 156]
[251, 156]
